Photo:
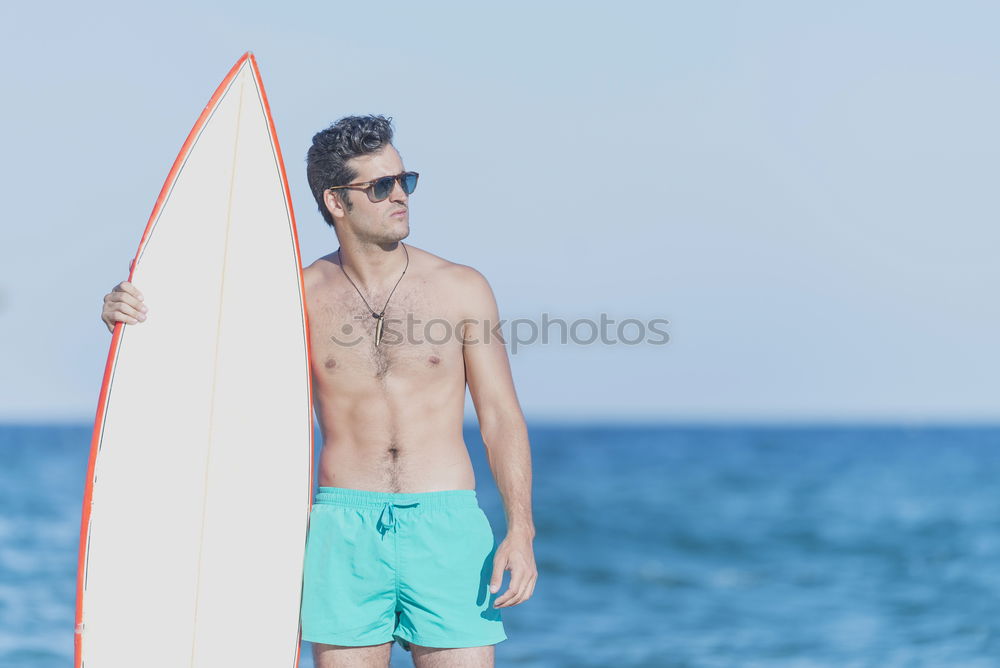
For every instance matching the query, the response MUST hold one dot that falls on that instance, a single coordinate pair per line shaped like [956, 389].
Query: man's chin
[394, 235]
[400, 232]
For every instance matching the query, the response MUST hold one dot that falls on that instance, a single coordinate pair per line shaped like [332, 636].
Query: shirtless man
[398, 547]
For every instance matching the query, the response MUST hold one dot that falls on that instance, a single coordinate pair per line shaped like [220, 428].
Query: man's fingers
[131, 308]
[505, 600]
[498, 568]
[521, 587]
[525, 592]
[531, 587]
[135, 314]
[513, 589]
[517, 596]
[123, 304]
[122, 299]
[128, 288]
[123, 313]
[127, 318]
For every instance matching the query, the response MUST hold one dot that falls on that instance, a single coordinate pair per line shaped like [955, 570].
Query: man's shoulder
[463, 277]
[448, 270]
[318, 272]
[472, 293]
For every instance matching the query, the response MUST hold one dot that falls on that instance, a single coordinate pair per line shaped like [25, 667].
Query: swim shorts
[413, 567]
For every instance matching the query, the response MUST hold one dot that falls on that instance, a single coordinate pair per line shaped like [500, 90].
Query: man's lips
[401, 212]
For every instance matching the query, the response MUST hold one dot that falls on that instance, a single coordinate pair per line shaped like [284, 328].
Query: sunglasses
[381, 188]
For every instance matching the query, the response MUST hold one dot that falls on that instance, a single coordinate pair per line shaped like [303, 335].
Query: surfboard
[199, 480]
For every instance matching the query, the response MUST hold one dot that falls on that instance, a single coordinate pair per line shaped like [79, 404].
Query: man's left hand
[514, 554]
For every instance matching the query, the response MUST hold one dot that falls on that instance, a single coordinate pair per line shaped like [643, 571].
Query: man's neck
[373, 265]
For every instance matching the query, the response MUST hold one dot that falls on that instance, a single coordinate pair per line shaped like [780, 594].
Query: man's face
[387, 221]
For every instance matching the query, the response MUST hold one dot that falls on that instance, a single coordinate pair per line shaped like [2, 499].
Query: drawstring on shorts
[387, 511]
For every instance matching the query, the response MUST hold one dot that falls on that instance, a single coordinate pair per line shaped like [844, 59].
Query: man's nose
[398, 194]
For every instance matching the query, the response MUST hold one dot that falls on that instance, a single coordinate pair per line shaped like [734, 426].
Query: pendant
[378, 328]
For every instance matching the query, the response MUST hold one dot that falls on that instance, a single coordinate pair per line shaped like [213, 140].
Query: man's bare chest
[421, 336]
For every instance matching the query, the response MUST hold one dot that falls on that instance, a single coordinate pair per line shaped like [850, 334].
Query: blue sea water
[656, 546]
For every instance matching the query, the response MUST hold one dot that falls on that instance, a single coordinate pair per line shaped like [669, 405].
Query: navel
[434, 360]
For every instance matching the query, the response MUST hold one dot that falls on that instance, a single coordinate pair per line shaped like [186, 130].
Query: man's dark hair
[326, 161]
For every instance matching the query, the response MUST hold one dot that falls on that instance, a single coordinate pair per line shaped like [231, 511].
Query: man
[398, 547]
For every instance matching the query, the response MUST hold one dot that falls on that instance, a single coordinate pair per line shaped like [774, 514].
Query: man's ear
[331, 198]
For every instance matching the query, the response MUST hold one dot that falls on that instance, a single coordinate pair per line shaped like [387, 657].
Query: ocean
[656, 546]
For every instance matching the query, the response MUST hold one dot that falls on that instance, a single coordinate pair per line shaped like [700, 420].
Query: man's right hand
[124, 303]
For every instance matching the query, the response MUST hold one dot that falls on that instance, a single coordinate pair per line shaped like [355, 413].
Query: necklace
[379, 317]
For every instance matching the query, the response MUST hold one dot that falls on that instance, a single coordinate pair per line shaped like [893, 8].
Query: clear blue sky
[806, 191]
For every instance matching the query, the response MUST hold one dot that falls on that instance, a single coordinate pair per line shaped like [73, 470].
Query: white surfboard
[200, 476]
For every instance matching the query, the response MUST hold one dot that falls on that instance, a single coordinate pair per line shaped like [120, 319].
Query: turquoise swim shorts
[411, 567]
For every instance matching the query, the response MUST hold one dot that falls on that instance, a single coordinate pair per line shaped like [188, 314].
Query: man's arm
[505, 435]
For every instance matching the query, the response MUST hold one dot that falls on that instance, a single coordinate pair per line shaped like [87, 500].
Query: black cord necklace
[379, 317]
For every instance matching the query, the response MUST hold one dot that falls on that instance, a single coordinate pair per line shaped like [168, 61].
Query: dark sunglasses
[381, 188]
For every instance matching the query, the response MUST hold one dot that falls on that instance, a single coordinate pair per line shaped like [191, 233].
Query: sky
[805, 192]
